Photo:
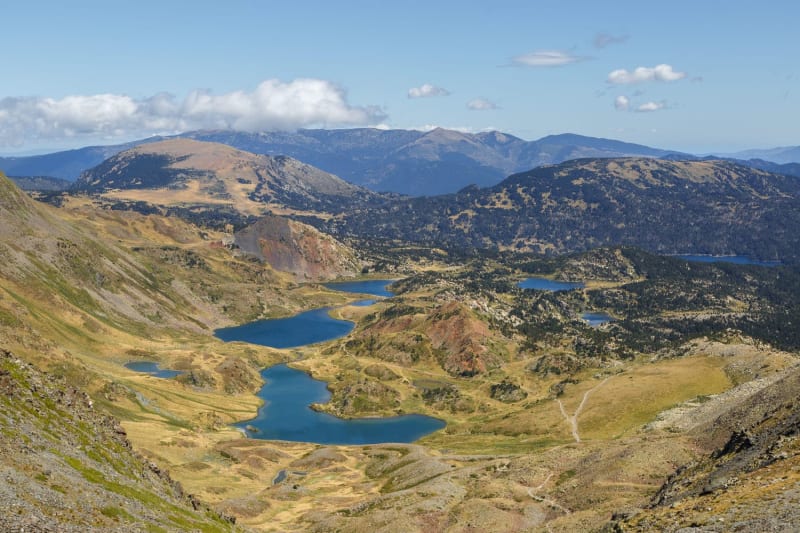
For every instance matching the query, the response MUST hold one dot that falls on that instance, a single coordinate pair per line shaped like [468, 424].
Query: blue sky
[696, 76]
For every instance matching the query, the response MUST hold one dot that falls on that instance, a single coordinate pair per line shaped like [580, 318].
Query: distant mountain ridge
[780, 155]
[417, 163]
[421, 163]
[412, 162]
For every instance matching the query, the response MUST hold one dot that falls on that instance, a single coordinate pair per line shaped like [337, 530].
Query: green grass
[117, 513]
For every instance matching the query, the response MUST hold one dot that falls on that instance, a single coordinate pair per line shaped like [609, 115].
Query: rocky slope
[297, 248]
[750, 478]
[68, 467]
[449, 334]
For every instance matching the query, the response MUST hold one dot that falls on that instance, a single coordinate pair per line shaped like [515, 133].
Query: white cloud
[649, 107]
[272, 105]
[661, 72]
[426, 91]
[601, 40]
[621, 103]
[481, 104]
[546, 58]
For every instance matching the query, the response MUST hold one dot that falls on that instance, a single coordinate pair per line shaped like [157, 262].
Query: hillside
[790, 169]
[41, 183]
[199, 176]
[83, 291]
[752, 458]
[69, 467]
[710, 207]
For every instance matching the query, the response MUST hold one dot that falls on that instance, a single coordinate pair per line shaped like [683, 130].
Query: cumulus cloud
[546, 58]
[649, 107]
[272, 105]
[601, 40]
[481, 104]
[622, 103]
[426, 91]
[661, 72]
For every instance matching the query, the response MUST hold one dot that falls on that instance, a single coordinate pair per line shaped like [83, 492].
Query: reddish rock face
[290, 246]
[454, 330]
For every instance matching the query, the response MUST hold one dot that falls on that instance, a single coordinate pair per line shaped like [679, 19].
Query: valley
[552, 422]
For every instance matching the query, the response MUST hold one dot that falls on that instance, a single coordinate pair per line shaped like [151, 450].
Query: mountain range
[416, 163]
[663, 205]
[780, 155]
[424, 163]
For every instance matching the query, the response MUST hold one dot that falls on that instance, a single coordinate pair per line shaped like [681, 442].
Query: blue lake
[375, 287]
[288, 393]
[544, 284]
[149, 367]
[735, 259]
[286, 415]
[305, 328]
[596, 319]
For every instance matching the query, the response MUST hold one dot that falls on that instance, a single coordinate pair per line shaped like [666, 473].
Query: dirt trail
[573, 420]
[544, 499]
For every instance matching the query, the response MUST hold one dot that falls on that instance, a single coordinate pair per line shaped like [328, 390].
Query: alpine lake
[288, 393]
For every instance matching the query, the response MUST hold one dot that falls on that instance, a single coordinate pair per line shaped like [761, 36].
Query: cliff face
[296, 248]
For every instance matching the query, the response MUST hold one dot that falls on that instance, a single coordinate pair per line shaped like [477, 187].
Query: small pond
[149, 367]
[596, 319]
[544, 284]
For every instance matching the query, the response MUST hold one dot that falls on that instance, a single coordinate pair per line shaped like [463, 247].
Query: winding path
[573, 420]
